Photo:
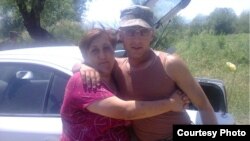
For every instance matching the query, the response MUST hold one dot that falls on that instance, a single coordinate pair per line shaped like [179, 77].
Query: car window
[165, 10]
[56, 95]
[23, 88]
[30, 89]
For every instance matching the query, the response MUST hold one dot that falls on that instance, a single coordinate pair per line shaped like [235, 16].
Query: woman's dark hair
[92, 34]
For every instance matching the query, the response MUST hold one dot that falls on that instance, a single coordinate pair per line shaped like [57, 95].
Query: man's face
[136, 40]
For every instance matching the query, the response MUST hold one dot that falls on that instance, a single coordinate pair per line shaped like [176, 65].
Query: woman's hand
[179, 100]
[185, 99]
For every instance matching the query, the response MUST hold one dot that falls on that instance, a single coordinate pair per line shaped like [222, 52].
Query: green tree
[79, 8]
[243, 22]
[36, 15]
[31, 13]
[55, 11]
[198, 25]
[168, 34]
[222, 21]
[10, 19]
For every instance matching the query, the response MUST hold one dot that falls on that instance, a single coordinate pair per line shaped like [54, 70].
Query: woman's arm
[179, 72]
[130, 110]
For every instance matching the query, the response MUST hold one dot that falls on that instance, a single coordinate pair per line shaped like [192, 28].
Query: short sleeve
[80, 96]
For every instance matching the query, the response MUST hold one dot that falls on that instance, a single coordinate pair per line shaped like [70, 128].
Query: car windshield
[162, 7]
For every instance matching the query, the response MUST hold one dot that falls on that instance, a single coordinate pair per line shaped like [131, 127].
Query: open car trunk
[216, 93]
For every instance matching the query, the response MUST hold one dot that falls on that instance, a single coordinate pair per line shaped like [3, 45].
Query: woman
[100, 115]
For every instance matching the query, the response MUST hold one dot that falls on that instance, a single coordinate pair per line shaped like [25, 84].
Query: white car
[32, 83]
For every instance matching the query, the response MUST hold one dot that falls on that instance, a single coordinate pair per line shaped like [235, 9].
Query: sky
[105, 10]
[205, 7]
[108, 11]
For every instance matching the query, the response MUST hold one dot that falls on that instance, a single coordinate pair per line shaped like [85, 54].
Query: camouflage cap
[137, 15]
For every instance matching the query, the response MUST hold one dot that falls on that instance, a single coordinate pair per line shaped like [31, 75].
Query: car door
[30, 101]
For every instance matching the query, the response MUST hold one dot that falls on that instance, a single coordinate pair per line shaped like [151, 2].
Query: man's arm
[89, 75]
[180, 73]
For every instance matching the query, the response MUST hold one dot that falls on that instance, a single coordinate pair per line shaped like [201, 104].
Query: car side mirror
[24, 75]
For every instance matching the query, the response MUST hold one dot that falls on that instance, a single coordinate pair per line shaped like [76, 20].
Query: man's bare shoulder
[172, 62]
[168, 58]
[173, 58]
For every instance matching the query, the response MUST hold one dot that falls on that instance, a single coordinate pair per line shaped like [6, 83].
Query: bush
[66, 31]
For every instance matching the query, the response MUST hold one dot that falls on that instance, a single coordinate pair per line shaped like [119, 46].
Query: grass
[206, 55]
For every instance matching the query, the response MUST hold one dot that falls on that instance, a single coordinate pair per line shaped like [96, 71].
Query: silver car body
[24, 127]
[48, 127]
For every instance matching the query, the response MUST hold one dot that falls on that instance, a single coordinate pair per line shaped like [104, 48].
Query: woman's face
[100, 55]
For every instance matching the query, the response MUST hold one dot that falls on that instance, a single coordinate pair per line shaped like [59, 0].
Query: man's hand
[90, 77]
